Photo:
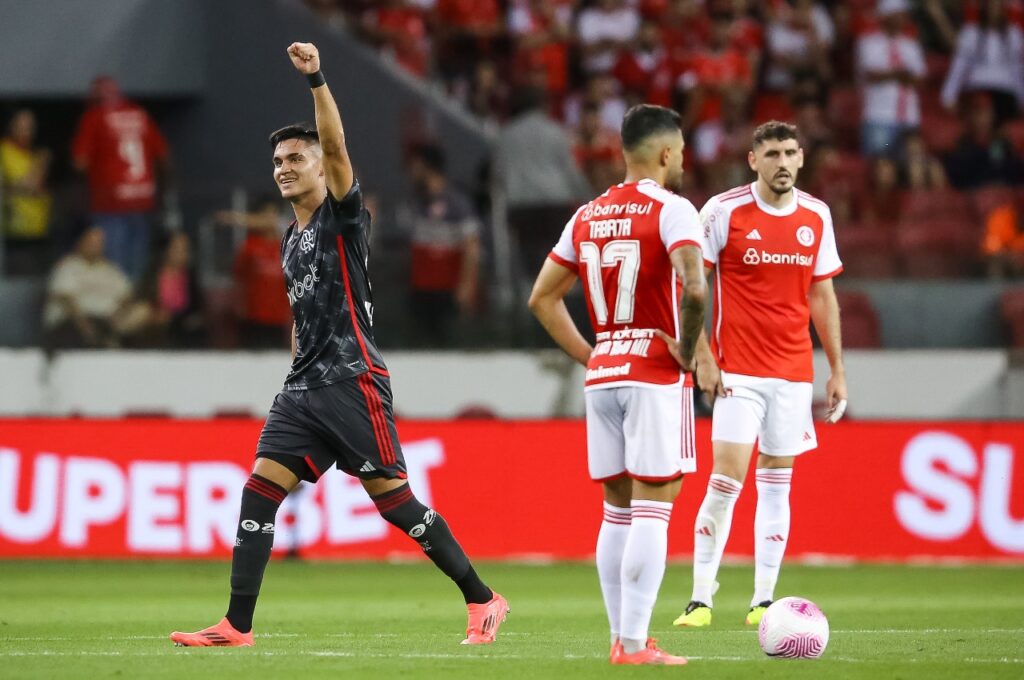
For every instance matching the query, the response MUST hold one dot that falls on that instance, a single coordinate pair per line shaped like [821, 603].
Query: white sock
[710, 533]
[611, 541]
[771, 530]
[643, 567]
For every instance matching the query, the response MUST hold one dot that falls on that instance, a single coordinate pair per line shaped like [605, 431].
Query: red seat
[937, 65]
[943, 204]
[934, 247]
[988, 199]
[1011, 307]
[1014, 130]
[868, 250]
[940, 130]
[861, 329]
[844, 112]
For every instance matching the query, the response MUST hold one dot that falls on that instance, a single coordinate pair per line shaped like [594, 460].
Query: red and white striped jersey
[619, 245]
[765, 260]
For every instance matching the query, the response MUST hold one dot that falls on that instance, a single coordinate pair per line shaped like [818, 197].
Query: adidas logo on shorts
[367, 467]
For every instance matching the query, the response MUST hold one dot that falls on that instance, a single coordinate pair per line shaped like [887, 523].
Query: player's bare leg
[486, 609]
[263, 494]
[771, 529]
[711, 528]
[611, 542]
[643, 567]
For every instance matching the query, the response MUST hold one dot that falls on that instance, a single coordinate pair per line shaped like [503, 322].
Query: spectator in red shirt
[399, 29]
[597, 150]
[469, 30]
[266, 317]
[444, 233]
[645, 69]
[684, 29]
[122, 152]
[541, 31]
[716, 71]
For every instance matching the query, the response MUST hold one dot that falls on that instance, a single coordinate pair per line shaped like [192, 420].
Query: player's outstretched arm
[547, 302]
[337, 165]
[825, 315]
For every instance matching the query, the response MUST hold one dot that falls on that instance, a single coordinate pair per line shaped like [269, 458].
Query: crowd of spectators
[897, 100]
[910, 113]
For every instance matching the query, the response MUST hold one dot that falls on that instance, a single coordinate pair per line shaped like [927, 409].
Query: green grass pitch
[318, 620]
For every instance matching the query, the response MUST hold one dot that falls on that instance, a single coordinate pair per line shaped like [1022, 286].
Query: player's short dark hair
[775, 130]
[303, 131]
[646, 120]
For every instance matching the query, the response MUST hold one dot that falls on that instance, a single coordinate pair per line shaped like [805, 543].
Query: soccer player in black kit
[335, 408]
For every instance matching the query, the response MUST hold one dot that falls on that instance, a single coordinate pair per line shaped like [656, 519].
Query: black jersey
[329, 291]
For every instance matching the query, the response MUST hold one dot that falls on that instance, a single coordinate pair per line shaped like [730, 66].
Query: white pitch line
[12, 638]
[857, 631]
[496, 657]
[928, 630]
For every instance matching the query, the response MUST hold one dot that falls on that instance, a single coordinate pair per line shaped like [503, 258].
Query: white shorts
[643, 432]
[775, 411]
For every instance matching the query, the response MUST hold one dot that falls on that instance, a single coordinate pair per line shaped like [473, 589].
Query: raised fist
[305, 57]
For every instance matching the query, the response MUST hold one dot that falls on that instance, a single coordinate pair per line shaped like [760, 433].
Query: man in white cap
[890, 66]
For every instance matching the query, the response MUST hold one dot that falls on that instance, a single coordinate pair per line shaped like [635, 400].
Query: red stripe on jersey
[380, 426]
[557, 259]
[815, 279]
[379, 371]
[807, 196]
[351, 306]
[312, 466]
[738, 192]
[680, 244]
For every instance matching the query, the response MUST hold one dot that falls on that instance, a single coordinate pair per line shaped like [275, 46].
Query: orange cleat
[650, 655]
[221, 635]
[484, 620]
[616, 651]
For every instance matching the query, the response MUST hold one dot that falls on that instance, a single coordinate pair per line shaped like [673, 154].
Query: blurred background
[144, 318]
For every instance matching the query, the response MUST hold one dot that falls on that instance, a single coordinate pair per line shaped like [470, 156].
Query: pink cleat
[484, 620]
[221, 635]
[650, 655]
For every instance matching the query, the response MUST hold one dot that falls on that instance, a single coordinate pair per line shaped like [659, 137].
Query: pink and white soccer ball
[793, 628]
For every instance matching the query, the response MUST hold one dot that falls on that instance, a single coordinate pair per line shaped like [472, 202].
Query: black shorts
[349, 423]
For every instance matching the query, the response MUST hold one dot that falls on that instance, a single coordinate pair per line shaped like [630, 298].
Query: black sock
[400, 507]
[260, 500]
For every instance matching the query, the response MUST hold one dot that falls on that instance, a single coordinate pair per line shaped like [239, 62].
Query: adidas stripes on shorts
[349, 423]
[642, 432]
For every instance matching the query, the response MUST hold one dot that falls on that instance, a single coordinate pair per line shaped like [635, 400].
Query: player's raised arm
[337, 165]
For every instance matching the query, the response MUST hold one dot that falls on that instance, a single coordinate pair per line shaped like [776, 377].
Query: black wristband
[316, 79]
